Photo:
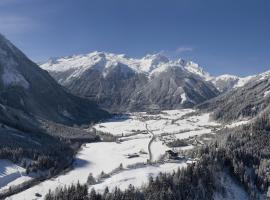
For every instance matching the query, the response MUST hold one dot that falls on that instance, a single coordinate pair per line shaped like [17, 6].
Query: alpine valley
[104, 126]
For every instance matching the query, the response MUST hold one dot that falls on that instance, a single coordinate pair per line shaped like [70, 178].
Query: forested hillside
[241, 103]
[245, 150]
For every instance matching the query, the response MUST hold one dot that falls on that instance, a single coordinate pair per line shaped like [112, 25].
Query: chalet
[171, 154]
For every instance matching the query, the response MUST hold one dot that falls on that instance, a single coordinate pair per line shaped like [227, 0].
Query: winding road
[149, 144]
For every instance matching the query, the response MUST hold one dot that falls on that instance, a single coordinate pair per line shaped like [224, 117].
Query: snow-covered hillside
[11, 174]
[227, 82]
[244, 102]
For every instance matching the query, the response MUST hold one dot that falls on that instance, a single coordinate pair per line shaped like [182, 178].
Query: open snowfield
[136, 177]
[124, 126]
[93, 158]
[169, 121]
[11, 174]
[135, 150]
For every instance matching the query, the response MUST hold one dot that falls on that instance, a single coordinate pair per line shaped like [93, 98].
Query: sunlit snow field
[11, 174]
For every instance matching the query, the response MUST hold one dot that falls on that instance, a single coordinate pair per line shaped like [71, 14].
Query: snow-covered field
[136, 177]
[138, 151]
[168, 122]
[11, 174]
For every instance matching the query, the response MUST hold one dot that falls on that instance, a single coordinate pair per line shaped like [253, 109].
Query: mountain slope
[34, 113]
[119, 83]
[243, 102]
[26, 87]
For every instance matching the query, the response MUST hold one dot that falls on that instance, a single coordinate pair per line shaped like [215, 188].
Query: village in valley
[156, 138]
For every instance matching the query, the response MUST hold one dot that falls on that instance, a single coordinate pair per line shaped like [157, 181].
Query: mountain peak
[152, 61]
[195, 68]
[156, 58]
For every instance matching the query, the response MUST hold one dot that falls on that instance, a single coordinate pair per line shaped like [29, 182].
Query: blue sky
[224, 36]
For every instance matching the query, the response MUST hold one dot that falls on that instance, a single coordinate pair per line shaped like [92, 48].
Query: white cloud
[178, 52]
[183, 49]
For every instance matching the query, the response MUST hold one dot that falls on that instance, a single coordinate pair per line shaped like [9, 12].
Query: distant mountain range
[119, 83]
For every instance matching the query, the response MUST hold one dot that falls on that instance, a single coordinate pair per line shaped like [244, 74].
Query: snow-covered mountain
[120, 83]
[26, 88]
[243, 102]
[196, 69]
[150, 64]
[227, 82]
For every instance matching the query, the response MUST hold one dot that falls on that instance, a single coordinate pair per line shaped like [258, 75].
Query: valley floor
[141, 151]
